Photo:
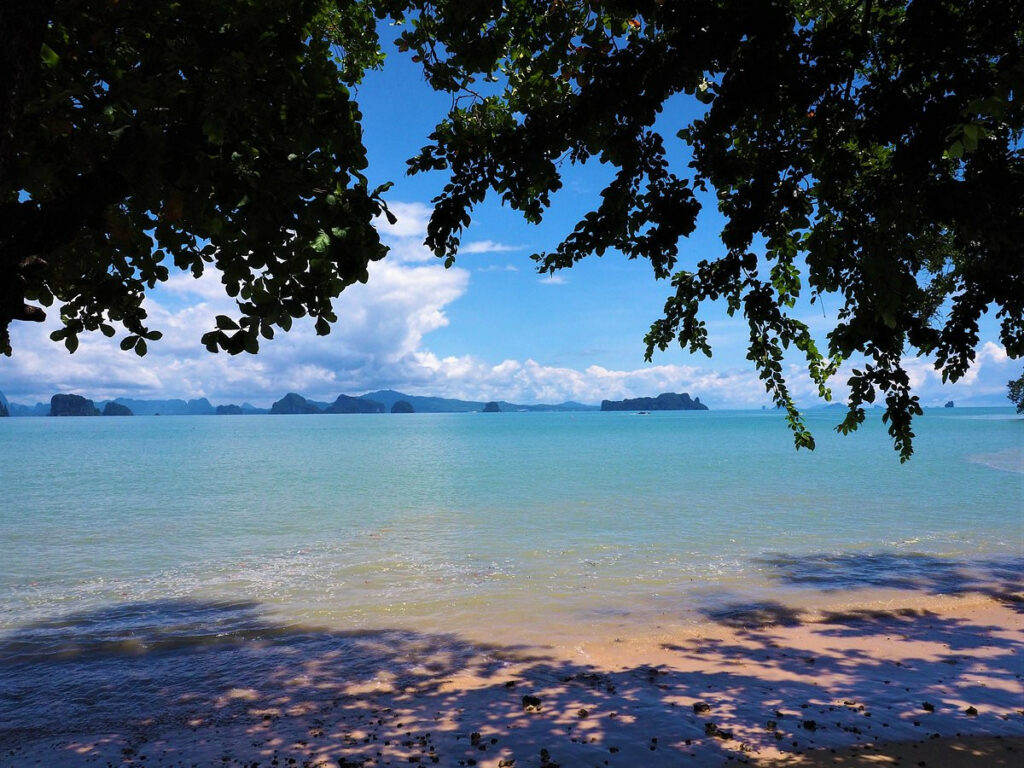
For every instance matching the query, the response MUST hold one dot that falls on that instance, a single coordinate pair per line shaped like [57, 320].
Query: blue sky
[489, 328]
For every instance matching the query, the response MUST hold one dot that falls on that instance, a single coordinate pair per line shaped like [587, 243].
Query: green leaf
[321, 242]
[49, 57]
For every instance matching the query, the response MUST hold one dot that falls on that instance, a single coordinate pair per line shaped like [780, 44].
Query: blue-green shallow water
[453, 521]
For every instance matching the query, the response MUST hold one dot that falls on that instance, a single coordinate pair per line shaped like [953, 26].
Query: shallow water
[450, 522]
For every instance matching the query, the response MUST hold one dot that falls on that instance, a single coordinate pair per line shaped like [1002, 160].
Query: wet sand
[936, 683]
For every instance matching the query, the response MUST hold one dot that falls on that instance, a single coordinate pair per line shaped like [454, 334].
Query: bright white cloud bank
[382, 341]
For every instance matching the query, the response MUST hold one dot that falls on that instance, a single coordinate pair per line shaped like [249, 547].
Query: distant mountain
[381, 401]
[388, 397]
[3, 406]
[200, 407]
[292, 404]
[667, 401]
[17, 409]
[346, 404]
[116, 409]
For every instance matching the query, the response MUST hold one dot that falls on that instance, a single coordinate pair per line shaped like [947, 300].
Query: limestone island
[667, 401]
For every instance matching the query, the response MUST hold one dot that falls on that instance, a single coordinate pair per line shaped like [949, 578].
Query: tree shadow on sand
[999, 578]
[194, 683]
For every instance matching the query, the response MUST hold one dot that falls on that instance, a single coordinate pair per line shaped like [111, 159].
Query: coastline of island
[380, 401]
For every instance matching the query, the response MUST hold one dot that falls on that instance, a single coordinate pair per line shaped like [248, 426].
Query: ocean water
[151, 530]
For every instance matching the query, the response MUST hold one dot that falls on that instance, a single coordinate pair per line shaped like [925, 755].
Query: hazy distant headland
[381, 401]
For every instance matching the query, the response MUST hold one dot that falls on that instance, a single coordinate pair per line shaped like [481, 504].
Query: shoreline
[890, 680]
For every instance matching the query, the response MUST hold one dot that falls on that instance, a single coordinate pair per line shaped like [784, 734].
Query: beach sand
[933, 682]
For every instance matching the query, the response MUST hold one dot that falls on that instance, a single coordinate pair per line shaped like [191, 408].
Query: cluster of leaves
[187, 134]
[869, 151]
[1015, 391]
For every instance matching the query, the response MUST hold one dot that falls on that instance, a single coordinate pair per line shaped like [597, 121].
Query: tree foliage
[866, 151]
[152, 136]
[1015, 391]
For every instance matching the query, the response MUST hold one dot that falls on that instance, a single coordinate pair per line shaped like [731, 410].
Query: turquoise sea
[159, 575]
[460, 521]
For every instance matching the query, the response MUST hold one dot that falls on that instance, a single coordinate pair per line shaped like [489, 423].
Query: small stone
[701, 707]
[927, 706]
[971, 711]
[582, 713]
[531, 703]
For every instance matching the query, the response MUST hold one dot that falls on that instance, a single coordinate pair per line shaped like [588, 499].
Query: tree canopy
[1015, 391]
[867, 151]
[148, 136]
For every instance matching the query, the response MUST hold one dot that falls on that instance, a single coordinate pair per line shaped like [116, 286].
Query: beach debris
[810, 725]
[711, 729]
[531, 703]
[593, 679]
[474, 738]
[582, 713]
[506, 762]
[971, 711]
[701, 707]
[545, 760]
[927, 706]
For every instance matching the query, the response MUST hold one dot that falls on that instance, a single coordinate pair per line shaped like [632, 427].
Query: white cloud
[553, 280]
[411, 220]
[488, 246]
[382, 340]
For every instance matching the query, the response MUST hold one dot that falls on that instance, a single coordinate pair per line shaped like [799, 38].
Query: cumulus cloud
[382, 340]
[411, 220]
[381, 326]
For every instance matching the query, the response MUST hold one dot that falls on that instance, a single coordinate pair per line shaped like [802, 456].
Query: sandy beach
[934, 682]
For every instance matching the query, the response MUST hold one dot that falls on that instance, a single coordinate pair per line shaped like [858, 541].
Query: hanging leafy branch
[869, 151]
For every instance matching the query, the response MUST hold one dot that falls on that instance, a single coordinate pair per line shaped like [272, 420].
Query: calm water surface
[452, 521]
